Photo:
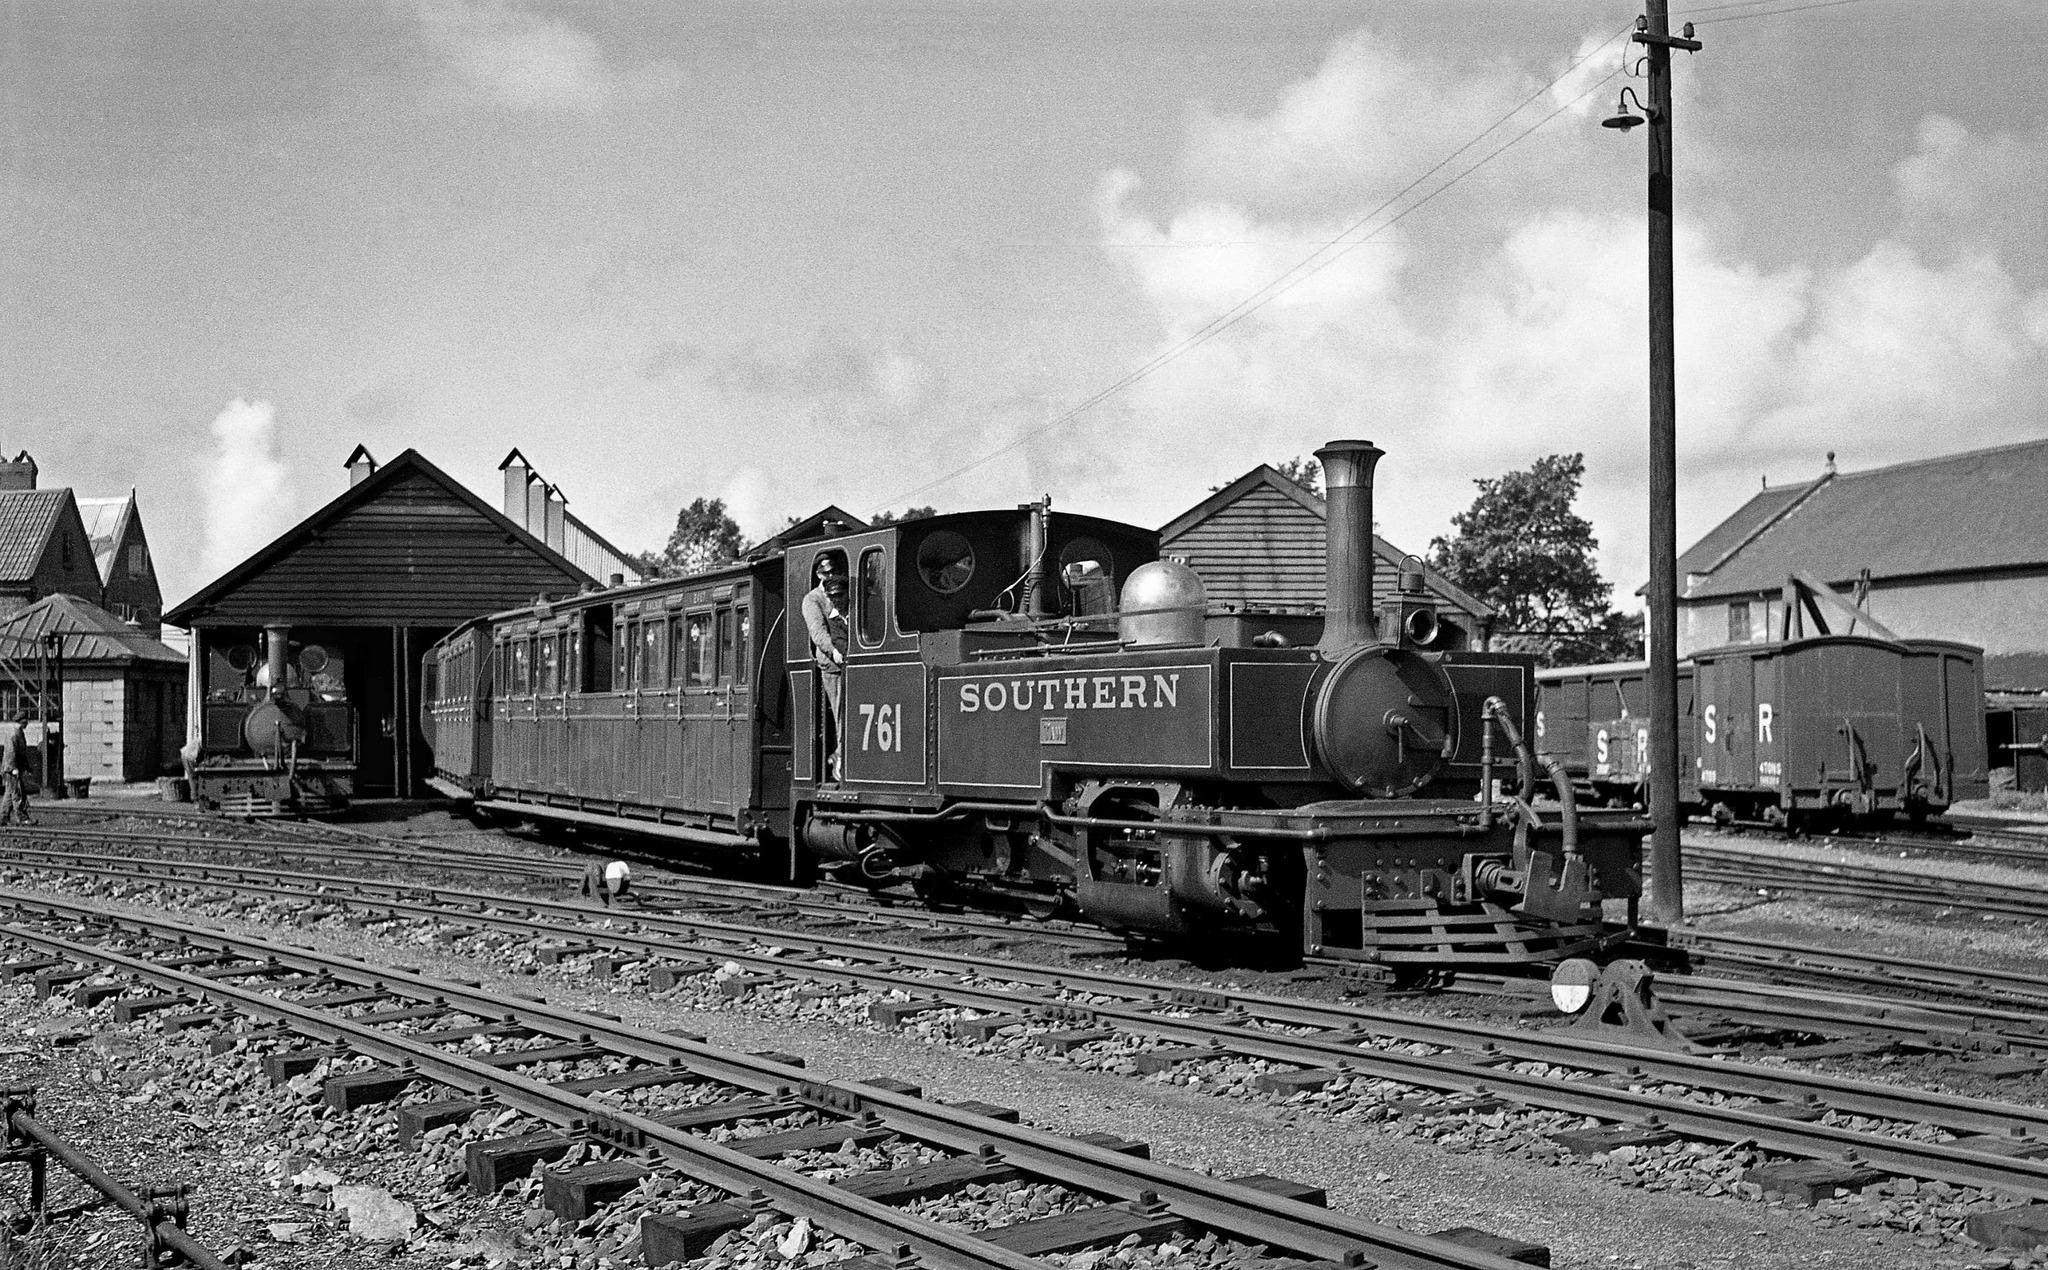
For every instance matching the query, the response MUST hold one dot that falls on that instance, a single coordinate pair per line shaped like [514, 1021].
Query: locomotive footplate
[1397, 881]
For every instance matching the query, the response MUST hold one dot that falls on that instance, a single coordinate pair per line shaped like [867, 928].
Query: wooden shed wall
[1266, 549]
[416, 555]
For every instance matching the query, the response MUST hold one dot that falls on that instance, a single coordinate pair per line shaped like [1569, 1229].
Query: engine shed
[364, 585]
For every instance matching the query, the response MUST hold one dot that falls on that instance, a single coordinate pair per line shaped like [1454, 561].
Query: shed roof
[89, 632]
[406, 546]
[27, 519]
[1960, 513]
[1265, 479]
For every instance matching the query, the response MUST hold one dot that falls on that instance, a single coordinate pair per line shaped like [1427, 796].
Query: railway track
[1861, 881]
[421, 1033]
[1307, 1044]
[1945, 1009]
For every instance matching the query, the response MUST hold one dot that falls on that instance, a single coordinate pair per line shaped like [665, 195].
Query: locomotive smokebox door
[1384, 721]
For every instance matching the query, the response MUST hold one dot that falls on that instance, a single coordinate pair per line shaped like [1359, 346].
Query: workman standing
[13, 752]
[825, 618]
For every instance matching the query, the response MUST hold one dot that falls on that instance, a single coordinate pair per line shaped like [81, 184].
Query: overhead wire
[1325, 254]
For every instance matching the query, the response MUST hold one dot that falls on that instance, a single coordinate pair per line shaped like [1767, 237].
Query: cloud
[1519, 328]
[249, 498]
[532, 63]
[832, 380]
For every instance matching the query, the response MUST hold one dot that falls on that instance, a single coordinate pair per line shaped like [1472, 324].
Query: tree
[908, 513]
[1521, 548]
[704, 538]
[1305, 472]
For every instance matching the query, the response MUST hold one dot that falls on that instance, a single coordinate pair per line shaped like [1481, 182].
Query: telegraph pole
[1667, 897]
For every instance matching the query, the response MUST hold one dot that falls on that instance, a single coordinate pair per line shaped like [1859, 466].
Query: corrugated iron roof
[1986, 509]
[27, 519]
[90, 633]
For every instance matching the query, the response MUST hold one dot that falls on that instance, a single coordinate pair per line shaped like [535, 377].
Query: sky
[879, 253]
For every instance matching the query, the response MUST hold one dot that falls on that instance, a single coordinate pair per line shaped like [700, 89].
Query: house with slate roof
[123, 702]
[1259, 543]
[44, 547]
[120, 551]
[1954, 547]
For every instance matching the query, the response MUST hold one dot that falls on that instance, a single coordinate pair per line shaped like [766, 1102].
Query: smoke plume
[249, 497]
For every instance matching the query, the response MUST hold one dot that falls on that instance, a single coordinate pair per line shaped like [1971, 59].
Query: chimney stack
[517, 473]
[536, 519]
[1347, 529]
[19, 473]
[361, 466]
[557, 508]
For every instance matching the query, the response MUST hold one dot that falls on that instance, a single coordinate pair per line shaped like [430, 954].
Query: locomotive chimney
[1347, 544]
[276, 641]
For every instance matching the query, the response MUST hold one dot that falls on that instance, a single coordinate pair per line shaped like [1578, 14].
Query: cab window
[874, 607]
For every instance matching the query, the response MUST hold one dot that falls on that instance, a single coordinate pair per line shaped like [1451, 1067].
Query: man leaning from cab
[825, 617]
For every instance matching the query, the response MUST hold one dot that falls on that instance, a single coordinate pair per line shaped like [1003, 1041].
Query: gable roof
[1266, 479]
[811, 526]
[106, 519]
[411, 466]
[1960, 513]
[89, 633]
[28, 518]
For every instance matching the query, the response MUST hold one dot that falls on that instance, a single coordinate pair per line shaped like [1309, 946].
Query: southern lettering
[1073, 692]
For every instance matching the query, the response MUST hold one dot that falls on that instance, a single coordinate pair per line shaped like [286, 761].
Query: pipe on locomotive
[1348, 554]
[276, 643]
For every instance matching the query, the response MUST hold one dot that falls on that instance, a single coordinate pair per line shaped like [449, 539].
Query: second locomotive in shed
[1038, 708]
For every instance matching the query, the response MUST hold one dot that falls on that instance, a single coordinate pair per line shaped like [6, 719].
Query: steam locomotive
[1038, 710]
[277, 733]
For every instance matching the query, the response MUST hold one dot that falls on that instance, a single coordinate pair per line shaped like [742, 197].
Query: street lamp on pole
[1667, 880]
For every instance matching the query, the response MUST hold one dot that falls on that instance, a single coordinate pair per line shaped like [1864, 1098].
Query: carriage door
[729, 739]
[700, 706]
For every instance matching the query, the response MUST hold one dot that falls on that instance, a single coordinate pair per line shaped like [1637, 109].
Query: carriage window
[874, 608]
[945, 561]
[622, 648]
[522, 668]
[743, 671]
[654, 651]
[599, 650]
[550, 665]
[697, 635]
[572, 659]
[725, 648]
